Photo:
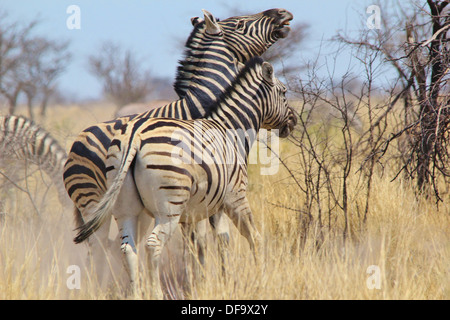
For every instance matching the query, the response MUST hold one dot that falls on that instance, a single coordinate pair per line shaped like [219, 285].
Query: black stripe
[171, 168]
[159, 123]
[175, 188]
[93, 144]
[100, 135]
[77, 186]
[81, 150]
[116, 142]
[78, 170]
[177, 203]
[84, 195]
[84, 205]
[163, 140]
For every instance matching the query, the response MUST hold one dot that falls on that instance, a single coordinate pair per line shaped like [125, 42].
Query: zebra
[143, 171]
[134, 108]
[23, 139]
[209, 65]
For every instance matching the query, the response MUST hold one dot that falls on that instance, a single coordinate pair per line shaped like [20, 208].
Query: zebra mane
[183, 78]
[248, 67]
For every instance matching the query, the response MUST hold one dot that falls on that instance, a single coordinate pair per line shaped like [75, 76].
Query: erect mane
[182, 78]
[249, 66]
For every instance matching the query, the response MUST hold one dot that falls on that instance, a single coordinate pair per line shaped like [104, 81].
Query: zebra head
[249, 35]
[221, 45]
[276, 114]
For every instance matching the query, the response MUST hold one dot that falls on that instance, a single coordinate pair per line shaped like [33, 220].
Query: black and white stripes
[22, 139]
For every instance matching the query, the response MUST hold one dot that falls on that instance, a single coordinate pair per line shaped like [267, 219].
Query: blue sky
[153, 29]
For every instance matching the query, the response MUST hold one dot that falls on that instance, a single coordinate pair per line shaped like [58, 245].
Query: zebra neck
[240, 114]
[207, 63]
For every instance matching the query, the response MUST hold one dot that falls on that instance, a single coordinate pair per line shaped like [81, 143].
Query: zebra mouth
[287, 128]
[281, 20]
[282, 30]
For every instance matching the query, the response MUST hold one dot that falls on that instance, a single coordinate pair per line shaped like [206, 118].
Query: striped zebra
[209, 67]
[184, 171]
[22, 139]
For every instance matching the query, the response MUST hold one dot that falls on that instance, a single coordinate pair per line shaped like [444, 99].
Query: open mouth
[283, 29]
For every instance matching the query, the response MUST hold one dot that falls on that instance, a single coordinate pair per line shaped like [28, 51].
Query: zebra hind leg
[98, 255]
[242, 217]
[127, 211]
[127, 228]
[222, 232]
[194, 251]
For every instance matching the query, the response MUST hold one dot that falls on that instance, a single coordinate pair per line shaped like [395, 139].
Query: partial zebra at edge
[23, 139]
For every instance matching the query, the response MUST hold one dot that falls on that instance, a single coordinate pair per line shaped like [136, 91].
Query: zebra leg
[126, 211]
[127, 228]
[199, 240]
[242, 217]
[98, 248]
[222, 232]
[165, 226]
[194, 237]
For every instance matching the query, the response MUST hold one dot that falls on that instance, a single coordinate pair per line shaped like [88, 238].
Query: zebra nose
[277, 13]
[285, 15]
[281, 16]
[292, 118]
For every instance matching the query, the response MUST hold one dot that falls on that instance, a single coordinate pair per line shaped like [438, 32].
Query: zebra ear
[212, 27]
[267, 71]
[196, 20]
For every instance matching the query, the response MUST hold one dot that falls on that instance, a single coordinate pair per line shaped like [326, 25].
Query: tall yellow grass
[405, 238]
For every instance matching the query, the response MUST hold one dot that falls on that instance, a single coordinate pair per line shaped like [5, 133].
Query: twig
[435, 35]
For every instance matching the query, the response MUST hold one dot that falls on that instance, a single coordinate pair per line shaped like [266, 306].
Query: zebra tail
[78, 218]
[103, 210]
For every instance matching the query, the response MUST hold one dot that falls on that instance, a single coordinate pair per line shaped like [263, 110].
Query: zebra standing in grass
[154, 164]
[22, 139]
[208, 68]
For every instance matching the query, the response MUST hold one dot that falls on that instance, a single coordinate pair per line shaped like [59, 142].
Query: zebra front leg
[164, 228]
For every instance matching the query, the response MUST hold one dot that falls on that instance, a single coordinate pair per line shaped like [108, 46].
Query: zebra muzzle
[282, 19]
[289, 125]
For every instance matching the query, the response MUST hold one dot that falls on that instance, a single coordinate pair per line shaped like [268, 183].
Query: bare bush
[124, 81]
[414, 44]
[29, 64]
[348, 131]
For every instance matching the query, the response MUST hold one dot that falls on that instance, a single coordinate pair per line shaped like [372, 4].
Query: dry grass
[407, 239]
